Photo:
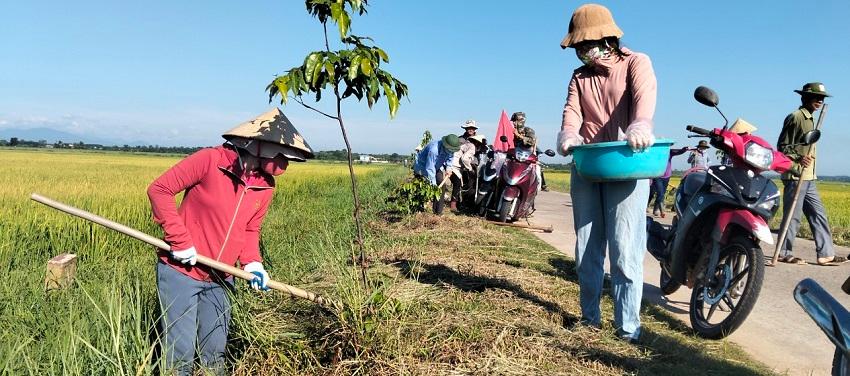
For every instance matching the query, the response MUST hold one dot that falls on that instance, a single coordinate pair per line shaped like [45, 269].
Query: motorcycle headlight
[521, 155]
[758, 156]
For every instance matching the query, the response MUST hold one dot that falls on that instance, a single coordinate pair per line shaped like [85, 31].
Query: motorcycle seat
[690, 184]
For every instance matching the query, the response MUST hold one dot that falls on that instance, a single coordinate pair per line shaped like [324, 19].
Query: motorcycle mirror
[549, 152]
[706, 96]
[503, 138]
[811, 137]
[709, 98]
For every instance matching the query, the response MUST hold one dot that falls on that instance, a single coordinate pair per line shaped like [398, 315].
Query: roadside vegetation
[448, 295]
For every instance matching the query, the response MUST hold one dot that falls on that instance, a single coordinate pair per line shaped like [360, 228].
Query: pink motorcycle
[721, 215]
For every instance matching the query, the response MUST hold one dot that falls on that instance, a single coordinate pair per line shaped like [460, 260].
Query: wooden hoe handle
[156, 242]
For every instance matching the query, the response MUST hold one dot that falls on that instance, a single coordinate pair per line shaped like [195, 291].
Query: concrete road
[777, 332]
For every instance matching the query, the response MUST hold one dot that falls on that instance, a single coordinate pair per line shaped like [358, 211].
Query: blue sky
[181, 72]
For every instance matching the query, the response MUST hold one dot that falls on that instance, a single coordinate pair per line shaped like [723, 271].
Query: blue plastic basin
[615, 161]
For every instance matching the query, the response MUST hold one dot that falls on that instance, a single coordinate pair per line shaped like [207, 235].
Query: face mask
[592, 55]
[275, 166]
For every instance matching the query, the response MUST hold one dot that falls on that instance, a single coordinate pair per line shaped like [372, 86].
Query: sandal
[792, 260]
[836, 260]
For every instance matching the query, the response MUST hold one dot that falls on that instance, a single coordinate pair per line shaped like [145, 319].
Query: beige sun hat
[742, 126]
[277, 131]
[591, 22]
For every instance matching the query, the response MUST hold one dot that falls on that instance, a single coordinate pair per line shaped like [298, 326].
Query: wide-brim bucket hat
[277, 131]
[469, 124]
[702, 145]
[590, 22]
[451, 142]
[813, 88]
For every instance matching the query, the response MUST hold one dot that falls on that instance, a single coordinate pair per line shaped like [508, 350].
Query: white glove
[566, 140]
[186, 256]
[639, 135]
[261, 277]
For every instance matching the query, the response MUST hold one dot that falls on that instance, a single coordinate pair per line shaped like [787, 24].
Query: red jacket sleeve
[162, 191]
[251, 249]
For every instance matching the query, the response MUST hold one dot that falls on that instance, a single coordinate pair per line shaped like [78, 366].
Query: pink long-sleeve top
[221, 212]
[604, 101]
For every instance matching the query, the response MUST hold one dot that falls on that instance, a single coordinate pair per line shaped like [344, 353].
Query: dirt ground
[778, 332]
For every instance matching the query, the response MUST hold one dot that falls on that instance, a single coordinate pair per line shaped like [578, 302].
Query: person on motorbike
[470, 127]
[525, 136]
[611, 97]
[790, 143]
[434, 160]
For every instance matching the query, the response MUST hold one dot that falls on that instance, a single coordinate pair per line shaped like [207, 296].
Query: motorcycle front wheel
[717, 309]
[840, 363]
[505, 210]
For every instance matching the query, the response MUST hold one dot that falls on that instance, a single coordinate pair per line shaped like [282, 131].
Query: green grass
[448, 295]
[558, 180]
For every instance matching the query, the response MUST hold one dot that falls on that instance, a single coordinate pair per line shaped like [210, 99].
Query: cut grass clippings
[486, 300]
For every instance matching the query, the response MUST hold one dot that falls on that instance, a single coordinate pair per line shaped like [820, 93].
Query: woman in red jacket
[227, 193]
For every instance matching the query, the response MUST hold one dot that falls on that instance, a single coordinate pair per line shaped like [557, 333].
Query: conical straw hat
[742, 126]
[274, 127]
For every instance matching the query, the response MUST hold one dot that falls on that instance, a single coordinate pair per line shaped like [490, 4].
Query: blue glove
[261, 277]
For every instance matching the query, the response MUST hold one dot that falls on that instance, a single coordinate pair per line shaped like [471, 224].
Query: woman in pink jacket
[227, 191]
[611, 97]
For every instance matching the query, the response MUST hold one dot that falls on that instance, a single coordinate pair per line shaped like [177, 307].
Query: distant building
[365, 158]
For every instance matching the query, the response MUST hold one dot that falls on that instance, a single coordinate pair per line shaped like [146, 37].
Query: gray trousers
[810, 204]
[194, 313]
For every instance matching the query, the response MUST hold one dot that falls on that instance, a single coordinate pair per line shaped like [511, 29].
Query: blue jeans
[658, 188]
[196, 315]
[610, 215]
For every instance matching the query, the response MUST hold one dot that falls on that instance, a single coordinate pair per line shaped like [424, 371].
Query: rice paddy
[448, 295]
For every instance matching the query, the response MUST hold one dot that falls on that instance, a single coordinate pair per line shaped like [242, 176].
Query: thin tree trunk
[362, 256]
[359, 240]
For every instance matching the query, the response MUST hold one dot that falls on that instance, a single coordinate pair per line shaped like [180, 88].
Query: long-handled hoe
[222, 267]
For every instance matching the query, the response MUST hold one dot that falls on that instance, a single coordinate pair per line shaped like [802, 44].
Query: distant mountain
[53, 135]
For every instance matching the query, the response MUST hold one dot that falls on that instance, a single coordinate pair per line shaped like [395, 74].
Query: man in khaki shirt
[805, 156]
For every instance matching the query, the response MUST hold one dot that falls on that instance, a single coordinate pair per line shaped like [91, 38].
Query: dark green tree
[353, 70]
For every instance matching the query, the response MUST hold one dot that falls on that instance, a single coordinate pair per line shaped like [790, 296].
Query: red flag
[506, 128]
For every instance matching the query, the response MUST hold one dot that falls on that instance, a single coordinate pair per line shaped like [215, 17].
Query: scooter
[831, 317]
[489, 169]
[517, 187]
[721, 215]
